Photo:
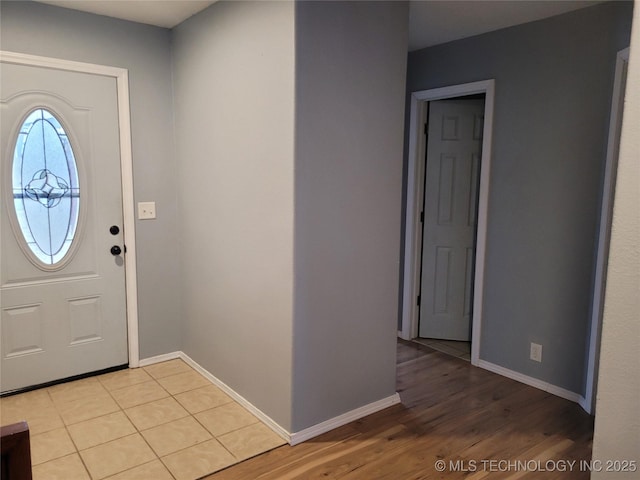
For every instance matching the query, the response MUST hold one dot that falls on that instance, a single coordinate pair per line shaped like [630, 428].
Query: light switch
[146, 210]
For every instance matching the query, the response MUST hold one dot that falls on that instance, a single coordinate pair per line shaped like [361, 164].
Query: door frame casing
[415, 196]
[121, 75]
[604, 232]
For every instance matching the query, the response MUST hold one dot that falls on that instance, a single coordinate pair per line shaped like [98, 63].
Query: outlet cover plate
[536, 352]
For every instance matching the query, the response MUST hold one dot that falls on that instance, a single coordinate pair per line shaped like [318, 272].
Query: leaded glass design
[46, 192]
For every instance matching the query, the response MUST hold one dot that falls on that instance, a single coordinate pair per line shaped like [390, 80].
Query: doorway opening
[471, 264]
[453, 136]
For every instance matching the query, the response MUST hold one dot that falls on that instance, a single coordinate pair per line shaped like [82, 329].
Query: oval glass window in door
[46, 192]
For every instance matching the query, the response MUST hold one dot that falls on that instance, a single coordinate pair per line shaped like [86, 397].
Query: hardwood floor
[481, 425]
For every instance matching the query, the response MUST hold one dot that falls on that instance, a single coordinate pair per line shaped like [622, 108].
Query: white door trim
[415, 194]
[604, 232]
[121, 76]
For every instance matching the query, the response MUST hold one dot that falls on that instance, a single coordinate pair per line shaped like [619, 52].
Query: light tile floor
[450, 347]
[161, 422]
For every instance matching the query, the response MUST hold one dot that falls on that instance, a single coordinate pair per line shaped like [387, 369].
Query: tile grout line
[213, 437]
[158, 457]
[138, 431]
[100, 382]
[66, 428]
[120, 409]
[192, 415]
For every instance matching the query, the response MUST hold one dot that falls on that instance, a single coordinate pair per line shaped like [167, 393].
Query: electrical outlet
[146, 210]
[536, 352]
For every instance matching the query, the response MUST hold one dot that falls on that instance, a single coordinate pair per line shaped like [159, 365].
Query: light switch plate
[146, 210]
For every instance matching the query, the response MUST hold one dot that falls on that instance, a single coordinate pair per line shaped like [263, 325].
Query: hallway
[450, 412]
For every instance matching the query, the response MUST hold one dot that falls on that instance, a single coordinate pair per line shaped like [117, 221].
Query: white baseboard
[222, 386]
[293, 438]
[533, 382]
[401, 334]
[266, 419]
[320, 428]
[159, 358]
[586, 406]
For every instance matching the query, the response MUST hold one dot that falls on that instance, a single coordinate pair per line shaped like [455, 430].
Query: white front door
[454, 145]
[62, 295]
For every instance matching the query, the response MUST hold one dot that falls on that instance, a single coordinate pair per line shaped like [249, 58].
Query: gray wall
[350, 79]
[216, 269]
[554, 80]
[38, 29]
[234, 107]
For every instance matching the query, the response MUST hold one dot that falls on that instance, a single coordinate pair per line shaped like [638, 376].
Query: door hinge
[419, 297]
[421, 217]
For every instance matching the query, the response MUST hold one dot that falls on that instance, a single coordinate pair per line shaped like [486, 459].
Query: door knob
[114, 230]
[116, 250]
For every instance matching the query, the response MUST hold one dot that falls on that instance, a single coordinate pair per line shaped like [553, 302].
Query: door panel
[68, 318]
[451, 188]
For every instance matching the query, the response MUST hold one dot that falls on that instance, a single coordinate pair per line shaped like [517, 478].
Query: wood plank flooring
[481, 425]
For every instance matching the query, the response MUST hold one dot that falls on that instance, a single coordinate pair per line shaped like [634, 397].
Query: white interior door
[454, 145]
[62, 295]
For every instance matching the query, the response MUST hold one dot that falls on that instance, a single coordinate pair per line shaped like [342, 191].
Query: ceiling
[433, 22]
[430, 21]
[162, 13]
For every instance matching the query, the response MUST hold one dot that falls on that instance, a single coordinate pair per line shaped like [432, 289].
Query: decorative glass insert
[46, 193]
